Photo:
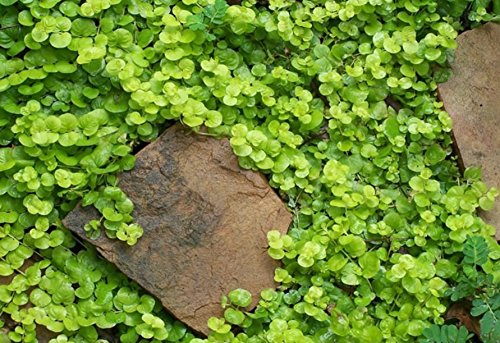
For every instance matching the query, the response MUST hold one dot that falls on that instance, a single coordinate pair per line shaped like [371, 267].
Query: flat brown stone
[472, 97]
[205, 223]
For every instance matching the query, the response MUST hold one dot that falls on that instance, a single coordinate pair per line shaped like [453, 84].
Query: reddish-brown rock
[472, 97]
[205, 222]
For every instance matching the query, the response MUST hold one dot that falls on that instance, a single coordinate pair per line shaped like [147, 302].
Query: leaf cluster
[335, 101]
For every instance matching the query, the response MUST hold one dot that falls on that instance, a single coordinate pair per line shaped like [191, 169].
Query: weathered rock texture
[205, 222]
[472, 97]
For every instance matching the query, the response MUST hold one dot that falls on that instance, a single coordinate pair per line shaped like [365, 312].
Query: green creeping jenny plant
[335, 101]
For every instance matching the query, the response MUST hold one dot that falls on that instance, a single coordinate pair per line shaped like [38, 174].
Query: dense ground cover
[335, 101]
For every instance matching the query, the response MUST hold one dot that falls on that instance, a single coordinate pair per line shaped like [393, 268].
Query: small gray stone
[472, 97]
[205, 223]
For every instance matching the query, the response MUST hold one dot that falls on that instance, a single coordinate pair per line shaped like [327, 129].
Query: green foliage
[211, 16]
[335, 101]
[446, 334]
[474, 10]
[240, 297]
[475, 251]
[488, 307]
[478, 282]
